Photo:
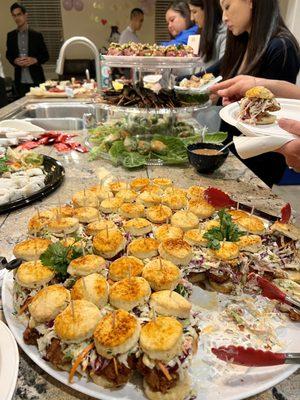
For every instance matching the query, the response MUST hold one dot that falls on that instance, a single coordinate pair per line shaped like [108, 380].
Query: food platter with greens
[141, 141]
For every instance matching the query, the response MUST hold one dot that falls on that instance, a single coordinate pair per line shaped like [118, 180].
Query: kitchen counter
[233, 177]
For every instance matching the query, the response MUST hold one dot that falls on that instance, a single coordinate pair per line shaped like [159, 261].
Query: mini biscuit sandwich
[143, 248]
[149, 199]
[161, 341]
[138, 184]
[86, 265]
[170, 304]
[158, 214]
[227, 251]
[196, 192]
[125, 267]
[194, 237]
[109, 206]
[47, 304]
[185, 220]
[63, 226]
[129, 210]
[175, 191]
[174, 201]
[116, 337]
[33, 274]
[85, 215]
[251, 224]
[77, 322]
[115, 187]
[288, 230]
[137, 226]
[162, 182]
[161, 274]
[97, 226]
[108, 243]
[153, 189]
[101, 192]
[256, 106]
[93, 288]
[177, 251]
[31, 249]
[129, 293]
[39, 222]
[127, 195]
[201, 208]
[168, 231]
[251, 243]
[64, 211]
[85, 198]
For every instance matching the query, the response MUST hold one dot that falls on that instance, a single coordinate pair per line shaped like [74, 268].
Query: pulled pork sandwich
[256, 106]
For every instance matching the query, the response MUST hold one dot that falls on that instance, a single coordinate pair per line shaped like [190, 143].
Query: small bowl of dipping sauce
[205, 157]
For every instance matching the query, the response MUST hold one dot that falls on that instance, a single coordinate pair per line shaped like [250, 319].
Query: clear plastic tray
[150, 62]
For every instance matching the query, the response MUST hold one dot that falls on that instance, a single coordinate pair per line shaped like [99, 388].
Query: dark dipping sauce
[206, 152]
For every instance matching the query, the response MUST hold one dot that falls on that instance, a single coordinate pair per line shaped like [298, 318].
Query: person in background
[3, 95]
[135, 25]
[114, 36]
[234, 89]
[179, 22]
[207, 14]
[258, 44]
[26, 51]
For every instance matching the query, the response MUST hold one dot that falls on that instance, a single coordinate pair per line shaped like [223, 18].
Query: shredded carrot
[116, 367]
[79, 360]
[164, 370]
[25, 305]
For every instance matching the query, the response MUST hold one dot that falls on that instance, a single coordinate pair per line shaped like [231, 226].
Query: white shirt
[1, 69]
[128, 36]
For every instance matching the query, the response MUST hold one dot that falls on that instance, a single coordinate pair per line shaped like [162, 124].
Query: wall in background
[6, 24]
[95, 20]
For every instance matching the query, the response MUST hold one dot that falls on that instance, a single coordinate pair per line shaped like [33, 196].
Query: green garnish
[180, 289]
[3, 165]
[227, 230]
[58, 257]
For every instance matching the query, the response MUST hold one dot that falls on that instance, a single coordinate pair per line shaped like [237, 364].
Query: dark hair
[17, 5]
[182, 8]
[135, 12]
[267, 23]
[212, 18]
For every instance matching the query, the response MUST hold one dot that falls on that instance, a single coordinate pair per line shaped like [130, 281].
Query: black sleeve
[42, 55]
[10, 52]
[281, 61]
[215, 69]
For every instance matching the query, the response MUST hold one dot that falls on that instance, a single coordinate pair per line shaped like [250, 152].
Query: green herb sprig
[227, 230]
[58, 257]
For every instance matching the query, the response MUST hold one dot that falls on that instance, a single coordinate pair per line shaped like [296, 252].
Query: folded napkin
[252, 145]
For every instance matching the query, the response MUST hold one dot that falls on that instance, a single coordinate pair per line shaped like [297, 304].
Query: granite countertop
[233, 177]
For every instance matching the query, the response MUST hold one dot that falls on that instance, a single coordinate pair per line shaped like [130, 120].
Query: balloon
[78, 5]
[68, 5]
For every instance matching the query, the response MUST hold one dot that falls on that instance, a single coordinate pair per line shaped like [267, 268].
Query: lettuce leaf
[215, 138]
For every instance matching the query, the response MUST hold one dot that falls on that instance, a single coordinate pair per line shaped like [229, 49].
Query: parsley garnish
[3, 165]
[226, 231]
[58, 257]
[181, 290]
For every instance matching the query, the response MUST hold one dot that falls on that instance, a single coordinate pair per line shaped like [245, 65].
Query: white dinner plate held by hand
[9, 363]
[260, 139]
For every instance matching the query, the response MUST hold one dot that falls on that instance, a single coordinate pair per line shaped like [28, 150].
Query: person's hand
[28, 61]
[291, 150]
[19, 61]
[234, 89]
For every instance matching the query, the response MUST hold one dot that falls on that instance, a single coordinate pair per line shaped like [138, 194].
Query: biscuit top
[177, 247]
[78, 321]
[32, 274]
[125, 266]
[107, 241]
[161, 334]
[130, 289]
[259, 92]
[115, 328]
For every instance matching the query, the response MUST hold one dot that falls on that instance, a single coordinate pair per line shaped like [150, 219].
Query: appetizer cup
[206, 163]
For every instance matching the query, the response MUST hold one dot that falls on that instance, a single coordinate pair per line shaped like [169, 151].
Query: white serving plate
[9, 362]
[201, 89]
[289, 109]
[242, 383]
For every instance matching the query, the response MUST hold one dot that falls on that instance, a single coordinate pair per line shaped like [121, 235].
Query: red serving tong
[272, 292]
[254, 358]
